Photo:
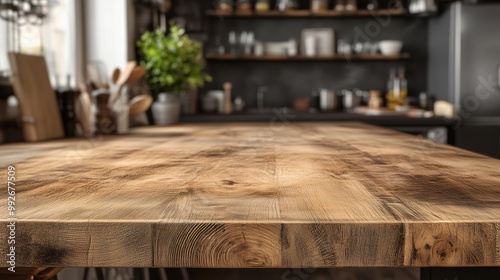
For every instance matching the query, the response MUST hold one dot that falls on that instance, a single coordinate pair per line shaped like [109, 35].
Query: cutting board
[37, 99]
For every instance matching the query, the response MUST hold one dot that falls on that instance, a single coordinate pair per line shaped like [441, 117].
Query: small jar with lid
[319, 5]
[284, 5]
[351, 5]
[262, 6]
[376, 100]
[225, 6]
[243, 6]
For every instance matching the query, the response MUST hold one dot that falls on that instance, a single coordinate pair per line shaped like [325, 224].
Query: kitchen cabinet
[481, 138]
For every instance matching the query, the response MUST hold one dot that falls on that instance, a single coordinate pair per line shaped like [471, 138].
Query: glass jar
[319, 5]
[262, 6]
[372, 5]
[351, 5]
[284, 5]
[225, 6]
[376, 100]
[244, 6]
[339, 5]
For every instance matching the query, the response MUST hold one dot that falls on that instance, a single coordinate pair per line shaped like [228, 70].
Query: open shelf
[307, 13]
[362, 57]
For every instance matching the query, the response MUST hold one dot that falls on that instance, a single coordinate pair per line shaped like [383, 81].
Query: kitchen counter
[279, 115]
[253, 195]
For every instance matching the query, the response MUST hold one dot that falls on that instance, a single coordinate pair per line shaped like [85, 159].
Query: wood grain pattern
[255, 195]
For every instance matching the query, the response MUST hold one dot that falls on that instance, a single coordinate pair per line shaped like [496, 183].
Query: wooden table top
[253, 195]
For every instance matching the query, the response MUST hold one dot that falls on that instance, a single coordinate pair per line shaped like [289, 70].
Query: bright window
[55, 39]
[4, 63]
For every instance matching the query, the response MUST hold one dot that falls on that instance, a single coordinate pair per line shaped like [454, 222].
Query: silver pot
[423, 7]
[352, 99]
[329, 101]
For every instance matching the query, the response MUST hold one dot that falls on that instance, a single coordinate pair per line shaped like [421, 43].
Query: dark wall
[288, 80]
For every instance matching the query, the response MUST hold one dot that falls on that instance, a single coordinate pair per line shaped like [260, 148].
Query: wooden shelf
[307, 13]
[377, 57]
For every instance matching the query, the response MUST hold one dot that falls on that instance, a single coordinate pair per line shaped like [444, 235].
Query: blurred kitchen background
[429, 68]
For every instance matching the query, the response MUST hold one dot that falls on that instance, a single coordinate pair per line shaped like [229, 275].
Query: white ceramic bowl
[390, 47]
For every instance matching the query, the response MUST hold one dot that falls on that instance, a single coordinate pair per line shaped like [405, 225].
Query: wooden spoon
[140, 104]
[116, 75]
[122, 81]
[138, 73]
[84, 104]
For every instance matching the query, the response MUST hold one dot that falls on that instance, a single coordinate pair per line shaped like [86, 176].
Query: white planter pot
[167, 109]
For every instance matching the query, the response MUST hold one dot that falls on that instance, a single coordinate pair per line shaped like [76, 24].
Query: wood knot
[229, 182]
[443, 251]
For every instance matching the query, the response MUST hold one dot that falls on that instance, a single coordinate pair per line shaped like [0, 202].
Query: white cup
[310, 45]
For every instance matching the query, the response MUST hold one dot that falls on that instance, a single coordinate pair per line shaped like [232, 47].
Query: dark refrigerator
[464, 69]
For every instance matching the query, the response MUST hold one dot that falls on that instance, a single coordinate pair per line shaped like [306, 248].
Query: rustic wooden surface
[254, 195]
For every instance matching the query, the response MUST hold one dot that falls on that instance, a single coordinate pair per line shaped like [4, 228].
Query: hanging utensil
[138, 73]
[122, 81]
[140, 104]
[115, 76]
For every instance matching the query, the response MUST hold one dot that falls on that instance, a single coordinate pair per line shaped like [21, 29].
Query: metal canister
[329, 100]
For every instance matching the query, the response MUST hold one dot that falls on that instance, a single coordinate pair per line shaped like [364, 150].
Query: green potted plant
[174, 64]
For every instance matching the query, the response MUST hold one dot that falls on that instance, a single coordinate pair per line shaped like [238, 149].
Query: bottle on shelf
[232, 43]
[404, 83]
[397, 89]
[391, 95]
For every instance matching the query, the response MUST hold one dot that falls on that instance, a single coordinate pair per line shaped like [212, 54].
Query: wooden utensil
[227, 97]
[122, 80]
[37, 99]
[85, 109]
[138, 73]
[140, 104]
[116, 75]
[97, 74]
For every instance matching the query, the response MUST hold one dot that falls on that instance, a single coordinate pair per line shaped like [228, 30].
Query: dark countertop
[279, 116]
